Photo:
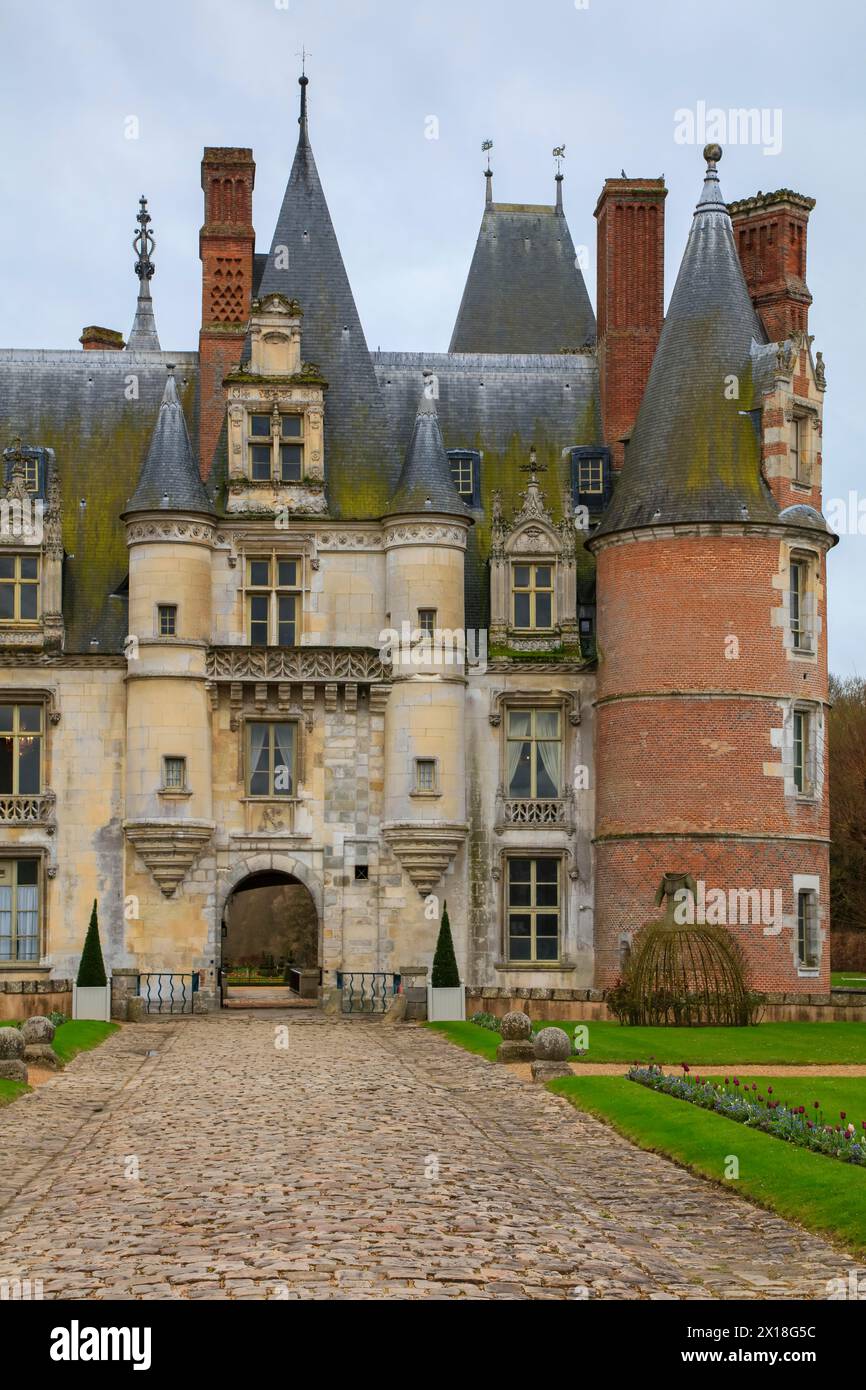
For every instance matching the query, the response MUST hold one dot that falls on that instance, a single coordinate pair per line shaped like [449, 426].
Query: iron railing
[167, 992]
[367, 991]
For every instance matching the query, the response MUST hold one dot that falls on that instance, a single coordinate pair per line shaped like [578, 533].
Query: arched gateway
[270, 938]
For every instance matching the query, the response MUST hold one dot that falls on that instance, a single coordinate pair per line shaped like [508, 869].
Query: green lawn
[470, 1037]
[11, 1090]
[835, 1093]
[768, 1044]
[847, 979]
[80, 1035]
[819, 1192]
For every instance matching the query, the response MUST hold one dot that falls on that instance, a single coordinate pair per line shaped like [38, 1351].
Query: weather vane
[143, 243]
[487, 146]
[559, 156]
[303, 55]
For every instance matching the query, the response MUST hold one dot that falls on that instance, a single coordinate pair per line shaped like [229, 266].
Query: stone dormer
[276, 463]
[533, 593]
[31, 550]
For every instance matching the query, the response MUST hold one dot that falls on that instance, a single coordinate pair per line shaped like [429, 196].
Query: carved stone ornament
[168, 848]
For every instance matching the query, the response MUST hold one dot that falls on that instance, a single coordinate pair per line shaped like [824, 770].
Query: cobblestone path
[311, 1171]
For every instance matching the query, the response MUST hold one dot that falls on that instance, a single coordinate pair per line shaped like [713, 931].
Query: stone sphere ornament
[11, 1044]
[552, 1045]
[516, 1026]
[37, 1030]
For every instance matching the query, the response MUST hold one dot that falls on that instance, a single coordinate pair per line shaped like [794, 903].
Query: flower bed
[744, 1102]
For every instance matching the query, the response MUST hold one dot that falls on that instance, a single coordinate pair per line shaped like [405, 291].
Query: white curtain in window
[284, 744]
[5, 923]
[28, 921]
[549, 752]
[513, 755]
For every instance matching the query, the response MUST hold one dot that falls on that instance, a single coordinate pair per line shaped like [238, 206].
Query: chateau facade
[236, 586]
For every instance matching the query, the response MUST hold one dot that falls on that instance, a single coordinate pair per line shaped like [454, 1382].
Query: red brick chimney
[770, 232]
[630, 298]
[96, 339]
[226, 247]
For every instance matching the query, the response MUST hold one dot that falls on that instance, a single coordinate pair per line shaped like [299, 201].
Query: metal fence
[167, 992]
[367, 991]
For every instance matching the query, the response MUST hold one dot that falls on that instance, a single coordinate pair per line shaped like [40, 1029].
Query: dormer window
[532, 596]
[591, 478]
[276, 455]
[466, 474]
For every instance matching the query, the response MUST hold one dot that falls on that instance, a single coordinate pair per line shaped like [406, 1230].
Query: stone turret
[170, 532]
[425, 542]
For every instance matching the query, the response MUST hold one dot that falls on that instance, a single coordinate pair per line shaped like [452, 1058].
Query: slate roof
[82, 405]
[501, 405]
[361, 461]
[524, 292]
[425, 483]
[695, 454]
[170, 478]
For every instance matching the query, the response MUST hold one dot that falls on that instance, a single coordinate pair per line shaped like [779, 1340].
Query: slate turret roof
[695, 452]
[524, 292]
[169, 478]
[425, 483]
[361, 460]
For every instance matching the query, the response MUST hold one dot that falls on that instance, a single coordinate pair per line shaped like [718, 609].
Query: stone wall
[24, 998]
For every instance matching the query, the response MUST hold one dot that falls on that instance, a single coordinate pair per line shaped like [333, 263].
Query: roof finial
[711, 199]
[486, 147]
[143, 243]
[559, 156]
[143, 335]
[303, 83]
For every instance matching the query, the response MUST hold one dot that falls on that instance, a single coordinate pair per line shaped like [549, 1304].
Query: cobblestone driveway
[306, 1171]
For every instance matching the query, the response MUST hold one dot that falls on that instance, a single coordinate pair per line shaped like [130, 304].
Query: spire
[425, 483]
[695, 453]
[305, 264]
[169, 479]
[143, 333]
[487, 146]
[524, 292]
[559, 156]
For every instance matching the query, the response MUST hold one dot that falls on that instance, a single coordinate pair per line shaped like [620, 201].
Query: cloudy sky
[604, 77]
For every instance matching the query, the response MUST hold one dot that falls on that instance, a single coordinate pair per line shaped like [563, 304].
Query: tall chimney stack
[770, 232]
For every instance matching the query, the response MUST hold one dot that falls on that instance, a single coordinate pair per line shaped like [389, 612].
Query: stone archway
[269, 931]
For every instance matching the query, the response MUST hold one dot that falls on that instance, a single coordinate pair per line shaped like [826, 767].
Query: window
[362, 872]
[804, 773]
[585, 627]
[534, 753]
[590, 478]
[276, 455]
[807, 929]
[466, 474]
[20, 750]
[533, 909]
[19, 588]
[174, 774]
[33, 470]
[802, 471]
[532, 596]
[271, 759]
[273, 601]
[799, 604]
[167, 620]
[425, 775]
[427, 620]
[19, 909]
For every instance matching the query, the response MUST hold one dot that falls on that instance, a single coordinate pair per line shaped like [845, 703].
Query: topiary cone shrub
[91, 967]
[445, 974]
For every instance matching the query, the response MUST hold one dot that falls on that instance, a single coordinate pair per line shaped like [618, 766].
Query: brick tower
[712, 684]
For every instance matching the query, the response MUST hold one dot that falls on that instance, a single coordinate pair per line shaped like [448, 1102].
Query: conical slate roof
[361, 462]
[695, 452]
[525, 291]
[169, 479]
[425, 483]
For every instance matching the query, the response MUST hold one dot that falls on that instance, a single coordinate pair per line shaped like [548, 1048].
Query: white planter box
[446, 1005]
[92, 1001]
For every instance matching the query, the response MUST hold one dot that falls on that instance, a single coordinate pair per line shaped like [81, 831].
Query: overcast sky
[606, 78]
